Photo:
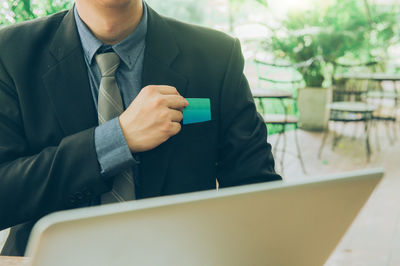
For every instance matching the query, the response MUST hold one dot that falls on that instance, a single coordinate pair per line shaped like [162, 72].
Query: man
[92, 97]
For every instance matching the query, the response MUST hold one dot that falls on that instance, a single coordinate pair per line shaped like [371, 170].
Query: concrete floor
[374, 237]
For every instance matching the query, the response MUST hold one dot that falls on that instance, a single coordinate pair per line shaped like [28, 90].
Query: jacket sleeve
[245, 154]
[55, 178]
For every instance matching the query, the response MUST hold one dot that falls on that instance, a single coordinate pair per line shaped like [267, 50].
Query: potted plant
[325, 35]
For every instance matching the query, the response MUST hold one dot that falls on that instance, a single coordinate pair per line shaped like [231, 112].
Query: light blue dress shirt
[112, 150]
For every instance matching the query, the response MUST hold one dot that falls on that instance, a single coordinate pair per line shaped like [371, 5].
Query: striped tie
[110, 106]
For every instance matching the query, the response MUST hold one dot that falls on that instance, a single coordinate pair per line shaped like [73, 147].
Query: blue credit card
[198, 110]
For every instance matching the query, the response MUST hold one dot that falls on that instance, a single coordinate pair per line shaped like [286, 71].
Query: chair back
[347, 86]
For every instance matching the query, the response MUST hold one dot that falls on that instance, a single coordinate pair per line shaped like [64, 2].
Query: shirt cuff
[112, 150]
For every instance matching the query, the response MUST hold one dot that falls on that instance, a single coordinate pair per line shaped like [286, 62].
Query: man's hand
[152, 118]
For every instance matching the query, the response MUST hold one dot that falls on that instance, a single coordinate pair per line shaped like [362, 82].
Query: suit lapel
[69, 89]
[67, 81]
[161, 51]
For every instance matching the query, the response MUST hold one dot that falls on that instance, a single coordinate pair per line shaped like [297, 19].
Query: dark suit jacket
[48, 160]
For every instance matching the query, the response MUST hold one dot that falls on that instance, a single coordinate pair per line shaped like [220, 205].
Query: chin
[116, 3]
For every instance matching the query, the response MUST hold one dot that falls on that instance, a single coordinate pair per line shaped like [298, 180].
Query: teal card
[198, 110]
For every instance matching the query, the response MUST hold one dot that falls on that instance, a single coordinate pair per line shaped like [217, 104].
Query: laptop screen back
[275, 223]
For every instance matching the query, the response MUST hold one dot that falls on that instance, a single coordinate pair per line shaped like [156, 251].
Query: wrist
[133, 146]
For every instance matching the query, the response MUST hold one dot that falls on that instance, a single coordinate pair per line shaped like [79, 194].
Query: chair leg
[391, 140]
[326, 132]
[336, 138]
[277, 143]
[283, 149]
[355, 131]
[299, 152]
[275, 148]
[342, 129]
[367, 144]
[375, 125]
[394, 122]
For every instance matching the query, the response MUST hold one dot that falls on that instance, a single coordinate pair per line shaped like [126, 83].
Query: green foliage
[345, 29]
[13, 11]
[201, 12]
[235, 6]
[191, 11]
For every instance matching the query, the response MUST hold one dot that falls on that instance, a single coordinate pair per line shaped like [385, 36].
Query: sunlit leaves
[12, 11]
[345, 29]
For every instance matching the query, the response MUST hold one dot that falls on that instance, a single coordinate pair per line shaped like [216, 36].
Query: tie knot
[107, 63]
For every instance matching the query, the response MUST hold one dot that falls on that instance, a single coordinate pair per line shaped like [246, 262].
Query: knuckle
[146, 89]
[173, 90]
[150, 88]
[159, 101]
[166, 127]
[164, 115]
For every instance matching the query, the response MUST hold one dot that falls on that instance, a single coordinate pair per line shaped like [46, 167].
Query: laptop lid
[278, 223]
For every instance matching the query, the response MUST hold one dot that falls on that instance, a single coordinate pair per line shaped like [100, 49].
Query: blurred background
[325, 76]
[331, 33]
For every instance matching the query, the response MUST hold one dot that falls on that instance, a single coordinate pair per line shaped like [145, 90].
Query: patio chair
[378, 89]
[350, 106]
[385, 96]
[280, 93]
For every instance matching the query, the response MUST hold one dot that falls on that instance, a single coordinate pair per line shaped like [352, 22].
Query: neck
[113, 22]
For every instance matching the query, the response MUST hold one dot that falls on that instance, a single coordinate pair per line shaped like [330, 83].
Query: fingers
[175, 128]
[176, 102]
[167, 90]
[176, 116]
[167, 95]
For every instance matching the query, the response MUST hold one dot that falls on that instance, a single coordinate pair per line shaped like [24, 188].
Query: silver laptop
[278, 223]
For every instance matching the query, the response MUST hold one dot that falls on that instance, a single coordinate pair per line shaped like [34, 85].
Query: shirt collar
[128, 49]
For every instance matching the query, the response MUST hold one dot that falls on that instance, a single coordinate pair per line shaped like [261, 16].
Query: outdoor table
[378, 77]
[350, 112]
[387, 101]
[354, 107]
[369, 76]
[271, 93]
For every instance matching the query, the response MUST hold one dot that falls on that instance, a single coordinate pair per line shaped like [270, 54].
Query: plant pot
[313, 108]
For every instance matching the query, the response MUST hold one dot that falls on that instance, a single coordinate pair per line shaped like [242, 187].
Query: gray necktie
[110, 106]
